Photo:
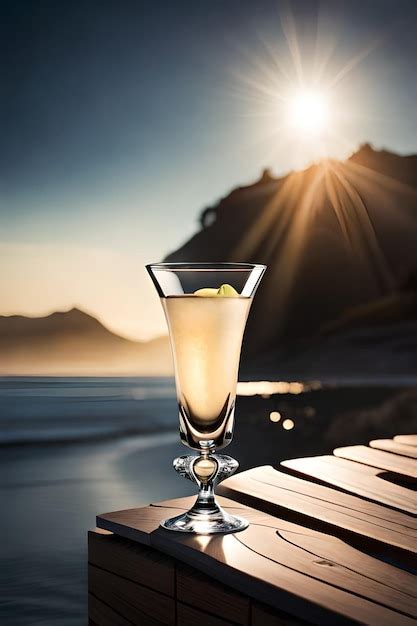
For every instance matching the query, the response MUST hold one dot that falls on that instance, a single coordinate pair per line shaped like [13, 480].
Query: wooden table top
[332, 539]
[322, 508]
[362, 480]
[291, 568]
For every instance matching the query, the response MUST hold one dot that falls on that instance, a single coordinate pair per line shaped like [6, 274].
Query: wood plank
[302, 501]
[281, 586]
[379, 458]
[137, 604]
[262, 615]
[208, 595]
[283, 583]
[101, 614]
[190, 616]
[409, 440]
[361, 480]
[393, 446]
[149, 521]
[138, 563]
[336, 563]
[310, 575]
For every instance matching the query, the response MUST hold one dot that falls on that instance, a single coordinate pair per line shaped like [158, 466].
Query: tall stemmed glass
[206, 307]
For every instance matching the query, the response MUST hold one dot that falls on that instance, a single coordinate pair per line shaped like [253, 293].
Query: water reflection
[267, 388]
[316, 421]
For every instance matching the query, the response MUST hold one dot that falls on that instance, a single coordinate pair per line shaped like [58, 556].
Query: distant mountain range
[339, 295]
[75, 343]
[339, 239]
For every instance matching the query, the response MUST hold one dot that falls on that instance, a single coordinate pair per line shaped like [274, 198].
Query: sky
[121, 121]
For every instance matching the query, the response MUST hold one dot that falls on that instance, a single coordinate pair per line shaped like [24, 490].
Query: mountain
[75, 343]
[335, 236]
[392, 309]
[340, 293]
[399, 168]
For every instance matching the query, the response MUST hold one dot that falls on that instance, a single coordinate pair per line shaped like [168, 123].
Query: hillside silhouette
[73, 342]
[335, 236]
[339, 296]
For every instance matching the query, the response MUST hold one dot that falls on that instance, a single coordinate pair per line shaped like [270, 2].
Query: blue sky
[122, 120]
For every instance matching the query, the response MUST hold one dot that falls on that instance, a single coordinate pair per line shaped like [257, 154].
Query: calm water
[72, 448]
[79, 409]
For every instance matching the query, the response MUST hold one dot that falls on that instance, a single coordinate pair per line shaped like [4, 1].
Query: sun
[308, 111]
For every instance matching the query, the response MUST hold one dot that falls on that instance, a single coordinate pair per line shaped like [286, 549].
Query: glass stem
[205, 499]
[206, 469]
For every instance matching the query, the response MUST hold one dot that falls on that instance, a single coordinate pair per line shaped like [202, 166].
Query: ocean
[72, 448]
[75, 447]
[63, 410]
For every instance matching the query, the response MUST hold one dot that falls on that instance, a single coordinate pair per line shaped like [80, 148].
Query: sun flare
[308, 111]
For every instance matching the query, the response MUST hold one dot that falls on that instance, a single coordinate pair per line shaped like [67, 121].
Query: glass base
[206, 524]
[205, 517]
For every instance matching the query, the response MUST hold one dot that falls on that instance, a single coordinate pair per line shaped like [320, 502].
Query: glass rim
[205, 266]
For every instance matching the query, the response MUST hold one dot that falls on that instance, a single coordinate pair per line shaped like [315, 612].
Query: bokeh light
[275, 416]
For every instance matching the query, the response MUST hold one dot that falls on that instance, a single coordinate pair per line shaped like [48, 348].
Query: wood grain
[305, 502]
[379, 458]
[103, 615]
[409, 440]
[190, 616]
[148, 518]
[262, 615]
[208, 595]
[136, 562]
[393, 446]
[137, 604]
[356, 478]
[338, 564]
[307, 574]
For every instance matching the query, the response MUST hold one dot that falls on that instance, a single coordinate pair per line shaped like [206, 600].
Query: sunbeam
[354, 61]
[306, 114]
[290, 33]
[302, 88]
[364, 240]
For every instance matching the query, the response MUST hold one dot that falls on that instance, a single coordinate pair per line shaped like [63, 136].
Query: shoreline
[64, 488]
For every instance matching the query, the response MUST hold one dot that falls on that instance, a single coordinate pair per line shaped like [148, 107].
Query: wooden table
[331, 541]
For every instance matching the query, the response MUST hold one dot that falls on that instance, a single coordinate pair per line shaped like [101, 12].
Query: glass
[206, 306]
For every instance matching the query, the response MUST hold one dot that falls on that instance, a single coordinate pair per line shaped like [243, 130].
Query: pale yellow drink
[206, 337]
